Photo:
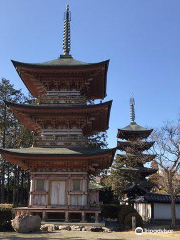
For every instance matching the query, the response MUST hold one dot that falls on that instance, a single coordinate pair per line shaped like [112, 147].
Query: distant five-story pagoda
[133, 169]
[60, 160]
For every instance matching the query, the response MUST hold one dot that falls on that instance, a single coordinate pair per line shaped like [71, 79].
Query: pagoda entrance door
[58, 192]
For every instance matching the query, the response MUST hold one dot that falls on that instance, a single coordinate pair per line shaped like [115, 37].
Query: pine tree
[12, 135]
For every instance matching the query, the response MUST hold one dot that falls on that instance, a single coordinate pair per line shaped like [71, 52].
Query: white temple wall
[163, 211]
[160, 211]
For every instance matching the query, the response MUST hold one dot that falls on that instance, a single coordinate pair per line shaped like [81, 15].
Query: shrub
[124, 211]
[128, 220]
[110, 211]
[5, 217]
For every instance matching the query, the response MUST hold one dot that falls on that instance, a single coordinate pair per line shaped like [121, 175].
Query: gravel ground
[77, 235]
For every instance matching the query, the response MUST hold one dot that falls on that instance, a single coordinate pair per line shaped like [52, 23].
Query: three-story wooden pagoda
[60, 160]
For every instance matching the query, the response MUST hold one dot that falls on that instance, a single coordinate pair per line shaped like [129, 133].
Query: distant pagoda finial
[132, 109]
[66, 32]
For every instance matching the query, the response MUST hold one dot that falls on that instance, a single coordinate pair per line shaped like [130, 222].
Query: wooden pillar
[31, 184]
[84, 199]
[47, 191]
[30, 200]
[96, 217]
[68, 190]
[32, 189]
[66, 216]
[83, 217]
[43, 215]
[68, 199]
[84, 185]
[85, 189]
[97, 196]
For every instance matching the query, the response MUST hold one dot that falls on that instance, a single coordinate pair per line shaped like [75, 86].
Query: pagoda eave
[141, 188]
[101, 159]
[54, 108]
[128, 135]
[33, 74]
[32, 158]
[142, 170]
[134, 146]
[147, 184]
[51, 65]
[139, 158]
[95, 116]
[133, 132]
[135, 188]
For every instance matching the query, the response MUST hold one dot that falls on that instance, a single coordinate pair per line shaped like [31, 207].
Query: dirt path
[76, 235]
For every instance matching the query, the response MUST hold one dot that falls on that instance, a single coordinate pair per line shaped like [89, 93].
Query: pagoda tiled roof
[63, 68]
[133, 131]
[140, 170]
[141, 158]
[157, 198]
[58, 107]
[134, 145]
[58, 63]
[59, 158]
[32, 151]
[147, 184]
[100, 113]
[140, 189]
[135, 188]
[62, 62]
[133, 127]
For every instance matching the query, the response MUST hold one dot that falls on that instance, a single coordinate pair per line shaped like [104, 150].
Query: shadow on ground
[49, 236]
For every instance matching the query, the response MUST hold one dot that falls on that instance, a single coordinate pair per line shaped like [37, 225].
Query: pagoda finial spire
[66, 32]
[132, 109]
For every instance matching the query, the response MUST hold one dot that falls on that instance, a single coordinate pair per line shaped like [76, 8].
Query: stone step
[100, 224]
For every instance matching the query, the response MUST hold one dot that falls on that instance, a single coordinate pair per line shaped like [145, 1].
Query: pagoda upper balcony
[63, 97]
[89, 119]
[60, 141]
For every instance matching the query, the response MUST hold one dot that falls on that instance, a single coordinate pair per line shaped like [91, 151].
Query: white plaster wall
[163, 211]
[144, 209]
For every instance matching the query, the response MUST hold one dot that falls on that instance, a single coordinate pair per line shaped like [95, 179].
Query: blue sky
[140, 37]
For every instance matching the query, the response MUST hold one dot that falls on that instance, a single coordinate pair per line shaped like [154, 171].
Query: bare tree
[167, 150]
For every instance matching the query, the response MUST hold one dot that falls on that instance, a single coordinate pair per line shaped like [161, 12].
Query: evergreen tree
[12, 135]
[98, 141]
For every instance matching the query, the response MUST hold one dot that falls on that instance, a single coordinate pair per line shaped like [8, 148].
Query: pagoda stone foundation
[60, 161]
